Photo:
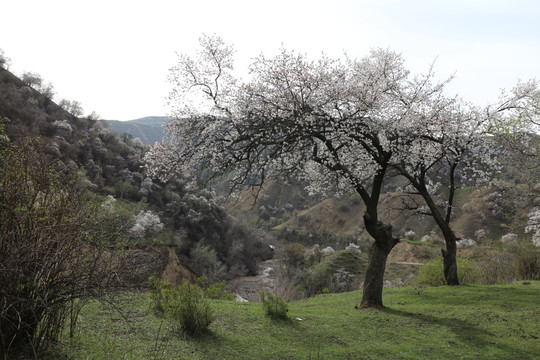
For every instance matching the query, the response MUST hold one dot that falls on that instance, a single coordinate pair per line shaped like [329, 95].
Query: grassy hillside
[466, 322]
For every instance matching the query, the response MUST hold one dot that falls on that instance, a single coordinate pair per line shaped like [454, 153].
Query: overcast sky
[113, 56]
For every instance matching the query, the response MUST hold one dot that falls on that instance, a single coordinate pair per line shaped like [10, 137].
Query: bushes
[526, 260]
[336, 274]
[516, 261]
[54, 240]
[294, 254]
[214, 290]
[185, 304]
[431, 274]
[274, 306]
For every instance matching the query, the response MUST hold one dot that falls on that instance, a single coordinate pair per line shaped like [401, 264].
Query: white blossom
[146, 222]
[533, 225]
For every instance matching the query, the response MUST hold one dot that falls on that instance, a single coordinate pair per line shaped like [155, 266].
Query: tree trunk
[374, 280]
[450, 263]
[373, 283]
[449, 255]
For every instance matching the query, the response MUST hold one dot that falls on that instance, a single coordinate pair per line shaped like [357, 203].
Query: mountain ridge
[148, 129]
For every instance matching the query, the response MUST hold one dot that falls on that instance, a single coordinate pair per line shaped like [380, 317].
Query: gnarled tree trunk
[374, 280]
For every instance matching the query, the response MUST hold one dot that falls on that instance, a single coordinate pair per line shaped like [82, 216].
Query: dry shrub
[54, 252]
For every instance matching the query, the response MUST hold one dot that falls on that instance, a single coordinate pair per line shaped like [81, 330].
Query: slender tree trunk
[449, 255]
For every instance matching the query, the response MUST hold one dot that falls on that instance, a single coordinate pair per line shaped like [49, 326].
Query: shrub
[274, 306]
[432, 274]
[204, 256]
[342, 281]
[526, 260]
[410, 235]
[294, 254]
[335, 273]
[54, 240]
[159, 294]
[214, 290]
[355, 199]
[186, 305]
[496, 268]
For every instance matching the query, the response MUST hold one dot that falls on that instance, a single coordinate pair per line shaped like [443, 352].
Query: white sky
[113, 55]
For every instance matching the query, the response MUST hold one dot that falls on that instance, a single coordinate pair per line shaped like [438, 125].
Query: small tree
[35, 81]
[72, 106]
[5, 61]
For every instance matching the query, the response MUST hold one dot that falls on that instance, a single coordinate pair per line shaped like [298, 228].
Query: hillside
[111, 165]
[148, 129]
[335, 221]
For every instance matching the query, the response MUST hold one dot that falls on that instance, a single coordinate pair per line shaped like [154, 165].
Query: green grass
[465, 322]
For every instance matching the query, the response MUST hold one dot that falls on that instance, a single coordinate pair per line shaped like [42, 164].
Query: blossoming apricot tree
[338, 124]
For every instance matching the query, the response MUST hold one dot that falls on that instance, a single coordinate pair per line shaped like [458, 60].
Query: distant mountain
[148, 129]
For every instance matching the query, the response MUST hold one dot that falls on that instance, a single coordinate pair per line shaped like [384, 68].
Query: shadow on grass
[466, 332]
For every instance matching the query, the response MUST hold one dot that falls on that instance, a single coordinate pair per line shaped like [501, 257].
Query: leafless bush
[496, 268]
[526, 260]
[287, 282]
[54, 250]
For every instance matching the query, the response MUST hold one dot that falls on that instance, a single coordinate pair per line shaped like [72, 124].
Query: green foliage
[355, 199]
[294, 254]
[274, 306]
[490, 266]
[159, 293]
[526, 260]
[214, 290]
[334, 273]
[186, 305]
[432, 274]
[203, 253]
[189, 308]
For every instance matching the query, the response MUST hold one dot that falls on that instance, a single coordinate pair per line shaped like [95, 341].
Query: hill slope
[148, 129]
[287, 208]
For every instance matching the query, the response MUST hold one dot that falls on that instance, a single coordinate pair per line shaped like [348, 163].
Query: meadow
[465, 322]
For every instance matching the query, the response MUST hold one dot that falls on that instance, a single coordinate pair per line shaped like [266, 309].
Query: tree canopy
[340, 125]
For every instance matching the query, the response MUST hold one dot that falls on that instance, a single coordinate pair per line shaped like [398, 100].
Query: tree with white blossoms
[533, 226]
[449, 143]
[455, 147]
[336, 124]
[146, 223]
[516, 119]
